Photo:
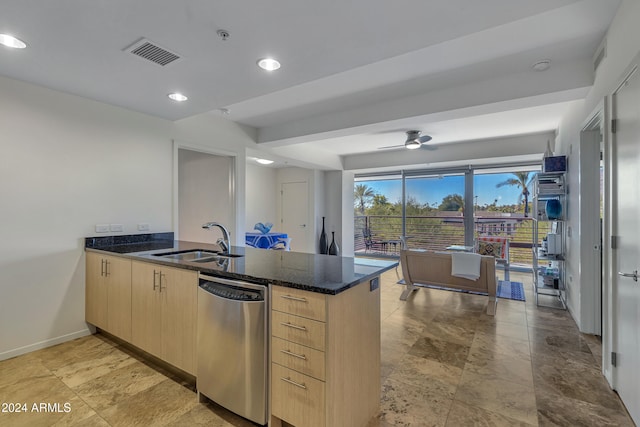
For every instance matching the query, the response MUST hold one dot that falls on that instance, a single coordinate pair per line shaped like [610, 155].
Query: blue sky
[433, 190]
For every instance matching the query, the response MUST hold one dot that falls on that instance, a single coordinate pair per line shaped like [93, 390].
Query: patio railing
[437, 232]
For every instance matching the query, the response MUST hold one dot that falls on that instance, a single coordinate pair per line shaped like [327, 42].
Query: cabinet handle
[294, 298]
[154, 279]
[291, 325]
[102, 266]
[106, 267]
[161, 274]
[299, 356]
[290, 381]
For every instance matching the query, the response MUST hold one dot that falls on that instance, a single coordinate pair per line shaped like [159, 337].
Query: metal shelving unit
[549, 254]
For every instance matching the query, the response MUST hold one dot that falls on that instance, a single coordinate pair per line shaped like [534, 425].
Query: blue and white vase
[553, 209]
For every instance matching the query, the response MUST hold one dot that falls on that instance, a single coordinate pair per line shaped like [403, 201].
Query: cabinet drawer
[300, 330]
[297, 357]
[296, 398]
[301, 303]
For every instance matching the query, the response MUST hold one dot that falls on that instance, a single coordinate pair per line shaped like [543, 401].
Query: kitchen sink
[219, 258]
[188, 255]
[198, 255]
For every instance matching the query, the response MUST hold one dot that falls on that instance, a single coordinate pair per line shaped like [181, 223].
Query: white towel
[465, 265]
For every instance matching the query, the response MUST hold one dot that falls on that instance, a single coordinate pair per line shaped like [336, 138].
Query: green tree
[452, 202]
[362, 196]
[522, 180]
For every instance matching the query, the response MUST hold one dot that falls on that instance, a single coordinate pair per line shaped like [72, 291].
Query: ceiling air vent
[150, 51]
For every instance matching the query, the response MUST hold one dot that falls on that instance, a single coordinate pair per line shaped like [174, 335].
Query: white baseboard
[44, 344]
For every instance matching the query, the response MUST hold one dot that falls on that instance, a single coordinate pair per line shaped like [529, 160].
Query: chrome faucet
[223, 242]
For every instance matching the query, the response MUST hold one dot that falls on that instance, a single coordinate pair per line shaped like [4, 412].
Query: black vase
[324, 245]
[333, 248]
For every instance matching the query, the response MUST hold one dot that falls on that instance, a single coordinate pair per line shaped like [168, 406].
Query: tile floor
[444, 363]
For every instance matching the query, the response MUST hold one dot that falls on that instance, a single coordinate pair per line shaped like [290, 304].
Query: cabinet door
[95, 291]
[179, 306]
[118, 280]
[146, 308]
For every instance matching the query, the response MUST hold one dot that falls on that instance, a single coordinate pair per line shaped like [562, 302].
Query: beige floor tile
[508, 398]
[110, 389]
[408, 405]
[439, 378]
[463, 414]
[555, 410]
[157, 406]
[500, 366]
[486, 345]
[440, 351]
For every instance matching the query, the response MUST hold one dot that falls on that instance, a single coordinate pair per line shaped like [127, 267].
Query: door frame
[597, 304]
[237, 228]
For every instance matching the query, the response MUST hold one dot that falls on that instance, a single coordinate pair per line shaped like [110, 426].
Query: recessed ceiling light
[264, 161]
[268, 64]
[10, 41]
[542, 65]
[177, 97]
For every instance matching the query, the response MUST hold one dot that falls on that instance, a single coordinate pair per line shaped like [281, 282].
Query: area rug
[506, 289]
[510, 290]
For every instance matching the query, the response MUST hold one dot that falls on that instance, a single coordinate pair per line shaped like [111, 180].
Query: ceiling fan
[414, 141]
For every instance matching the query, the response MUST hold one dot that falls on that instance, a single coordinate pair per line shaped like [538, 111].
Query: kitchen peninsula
[325, 371]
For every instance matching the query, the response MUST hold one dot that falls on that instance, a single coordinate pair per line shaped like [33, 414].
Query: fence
[438, 232]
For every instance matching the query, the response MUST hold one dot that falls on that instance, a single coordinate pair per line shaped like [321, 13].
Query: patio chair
[369, 243]
[496, 246]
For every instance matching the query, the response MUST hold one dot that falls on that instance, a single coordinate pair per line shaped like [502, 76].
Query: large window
[436, 209]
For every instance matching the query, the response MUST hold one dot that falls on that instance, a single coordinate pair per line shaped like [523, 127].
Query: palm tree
[522, 180]
[362, 195]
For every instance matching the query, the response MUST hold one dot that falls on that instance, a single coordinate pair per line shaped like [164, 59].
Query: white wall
[261, 196]
[204, 195]
[622, 46]
[67, 164]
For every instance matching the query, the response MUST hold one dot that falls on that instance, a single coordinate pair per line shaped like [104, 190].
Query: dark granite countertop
[316, 273]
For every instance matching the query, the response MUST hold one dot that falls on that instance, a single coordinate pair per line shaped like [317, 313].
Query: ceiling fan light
[11, 41]
[412, 145]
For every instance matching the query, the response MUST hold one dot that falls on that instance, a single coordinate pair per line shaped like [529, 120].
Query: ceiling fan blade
[424, 138]
[391, 146]
[428, 147]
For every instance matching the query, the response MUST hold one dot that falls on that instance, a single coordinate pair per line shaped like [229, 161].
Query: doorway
[204, 193]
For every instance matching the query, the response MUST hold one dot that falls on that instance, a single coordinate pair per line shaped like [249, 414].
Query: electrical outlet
[143, 227]
[116, 227]
[102, 228]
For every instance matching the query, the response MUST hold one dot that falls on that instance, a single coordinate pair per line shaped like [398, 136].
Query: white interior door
[295, 214]
[626, 214]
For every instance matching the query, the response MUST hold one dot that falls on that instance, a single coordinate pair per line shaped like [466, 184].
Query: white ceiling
[352, 71]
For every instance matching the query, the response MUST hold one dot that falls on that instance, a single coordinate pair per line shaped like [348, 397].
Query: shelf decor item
[263, 228]
[324, 244]
[553, 209]
[555, 164]
[333, 248]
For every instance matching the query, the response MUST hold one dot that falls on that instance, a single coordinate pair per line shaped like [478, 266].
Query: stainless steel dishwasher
[232, 346]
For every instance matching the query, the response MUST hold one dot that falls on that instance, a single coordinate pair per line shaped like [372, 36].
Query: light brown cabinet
[164, 312]
[325, 357]
[108, 294]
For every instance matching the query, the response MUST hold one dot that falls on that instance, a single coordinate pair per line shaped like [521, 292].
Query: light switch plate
[102, 228]
[116, 227]
[143, 227]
